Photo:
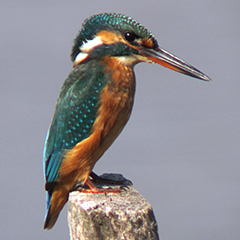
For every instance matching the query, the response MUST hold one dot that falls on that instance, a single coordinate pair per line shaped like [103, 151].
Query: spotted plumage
[96, 101]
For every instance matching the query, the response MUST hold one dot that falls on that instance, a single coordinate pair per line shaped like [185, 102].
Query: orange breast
[115, 107]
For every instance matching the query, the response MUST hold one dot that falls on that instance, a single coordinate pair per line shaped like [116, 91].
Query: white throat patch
[131, 61]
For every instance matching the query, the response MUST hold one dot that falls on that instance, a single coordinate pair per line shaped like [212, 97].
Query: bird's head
[116, 35]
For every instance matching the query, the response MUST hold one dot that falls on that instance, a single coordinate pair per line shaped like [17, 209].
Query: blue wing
[74, 116]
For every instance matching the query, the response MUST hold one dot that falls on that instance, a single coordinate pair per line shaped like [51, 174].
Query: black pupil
[130, 36]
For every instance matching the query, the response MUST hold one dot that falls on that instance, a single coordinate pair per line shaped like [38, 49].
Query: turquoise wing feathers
[75, 113]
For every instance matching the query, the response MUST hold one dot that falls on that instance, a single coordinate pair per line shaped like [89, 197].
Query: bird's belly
[113, 115]
[115, 106]
[110, 133]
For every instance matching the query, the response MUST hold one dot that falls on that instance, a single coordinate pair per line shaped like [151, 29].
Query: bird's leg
[95, 177]
[94, 189]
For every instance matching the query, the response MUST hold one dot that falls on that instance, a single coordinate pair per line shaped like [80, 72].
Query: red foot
[93, 189]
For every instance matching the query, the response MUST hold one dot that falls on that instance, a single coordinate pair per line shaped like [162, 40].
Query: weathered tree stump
[111, 216]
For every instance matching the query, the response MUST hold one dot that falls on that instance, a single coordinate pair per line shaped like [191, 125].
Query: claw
[124, 188]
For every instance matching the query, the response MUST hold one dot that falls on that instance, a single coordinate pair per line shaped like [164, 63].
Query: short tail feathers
[55, 202]
[48, 223]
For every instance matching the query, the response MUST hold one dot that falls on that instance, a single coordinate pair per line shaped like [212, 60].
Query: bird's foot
[106, 183]
[94, 189]
[108, 180]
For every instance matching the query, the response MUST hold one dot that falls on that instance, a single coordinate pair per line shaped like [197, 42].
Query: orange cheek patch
[147, 42]
[109, 37]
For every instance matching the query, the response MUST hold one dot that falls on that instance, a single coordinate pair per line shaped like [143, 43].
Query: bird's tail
[56, 200]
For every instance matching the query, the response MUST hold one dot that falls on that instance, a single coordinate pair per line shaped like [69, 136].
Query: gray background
[181, 145]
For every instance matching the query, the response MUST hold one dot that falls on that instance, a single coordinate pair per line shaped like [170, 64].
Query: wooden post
[111, 216]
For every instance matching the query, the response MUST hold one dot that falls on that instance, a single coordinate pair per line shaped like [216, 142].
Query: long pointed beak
[168, 60]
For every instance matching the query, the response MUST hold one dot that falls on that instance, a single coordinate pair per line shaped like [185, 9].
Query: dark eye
[130, 36]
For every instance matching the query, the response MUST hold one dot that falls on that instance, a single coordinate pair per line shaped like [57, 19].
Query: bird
[96, 100]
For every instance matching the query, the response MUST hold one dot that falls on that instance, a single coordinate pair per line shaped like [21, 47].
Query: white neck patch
[90, 44]
[86, 48]
[79, 58]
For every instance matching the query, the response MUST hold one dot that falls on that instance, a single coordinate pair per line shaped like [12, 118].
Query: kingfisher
[96, 100]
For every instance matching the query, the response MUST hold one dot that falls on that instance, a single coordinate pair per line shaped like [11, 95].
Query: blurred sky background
[181, 145]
